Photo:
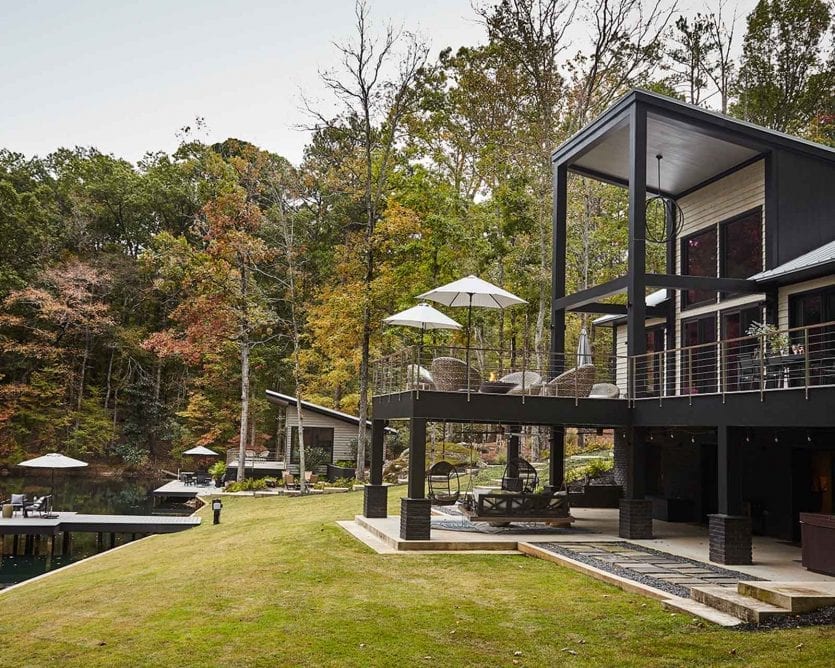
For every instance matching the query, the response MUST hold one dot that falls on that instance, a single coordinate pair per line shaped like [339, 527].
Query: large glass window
[317, 440]
[742, 246]
[698, 355]
[699, 259]
[739, 350]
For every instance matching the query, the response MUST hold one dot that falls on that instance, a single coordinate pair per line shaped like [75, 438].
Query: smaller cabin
[330, 434]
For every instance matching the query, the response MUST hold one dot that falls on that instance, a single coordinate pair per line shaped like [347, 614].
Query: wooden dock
[177, 489]
[66, 522]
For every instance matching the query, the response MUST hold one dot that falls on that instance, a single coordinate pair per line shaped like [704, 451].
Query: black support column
[375, 501]
[556, 464]
[635, 517]
[636, 309]
[729, 530]
[415, 509]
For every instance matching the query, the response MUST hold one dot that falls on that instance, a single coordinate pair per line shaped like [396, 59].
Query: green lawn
[278, 583]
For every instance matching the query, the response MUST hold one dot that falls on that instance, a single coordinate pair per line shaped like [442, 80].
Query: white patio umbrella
[53, 460]
[472, 291]
[201, 451]
[424, 317]
[583, 348]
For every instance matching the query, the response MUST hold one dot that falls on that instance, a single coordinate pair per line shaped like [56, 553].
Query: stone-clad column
[415, 510]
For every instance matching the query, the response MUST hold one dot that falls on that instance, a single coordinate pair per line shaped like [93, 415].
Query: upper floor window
[699, 259]
[742, 246]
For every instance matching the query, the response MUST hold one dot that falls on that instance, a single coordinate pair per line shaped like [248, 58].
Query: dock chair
[290, 481]
[18, 502]
[310, 477]
[41, 505]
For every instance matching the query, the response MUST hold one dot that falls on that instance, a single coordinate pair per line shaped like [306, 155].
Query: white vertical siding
[343, 432]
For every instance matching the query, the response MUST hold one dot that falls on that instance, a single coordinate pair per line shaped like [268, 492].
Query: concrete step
[731, 602]
[690, 607]
[797, 597]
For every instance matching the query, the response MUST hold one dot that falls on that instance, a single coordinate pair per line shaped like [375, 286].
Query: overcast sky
[125, 76]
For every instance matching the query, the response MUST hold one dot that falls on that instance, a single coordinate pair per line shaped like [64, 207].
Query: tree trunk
[245, 349]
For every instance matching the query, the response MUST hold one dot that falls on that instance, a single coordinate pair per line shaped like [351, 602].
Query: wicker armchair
[450, 375]
[576, 382]
[532, 384]
[604, 391]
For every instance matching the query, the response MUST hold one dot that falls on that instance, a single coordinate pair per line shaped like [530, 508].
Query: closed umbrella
[583, 349]
[53, 460]
[472, 291]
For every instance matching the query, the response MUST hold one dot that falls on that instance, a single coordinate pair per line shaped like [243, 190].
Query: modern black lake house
[721, 382]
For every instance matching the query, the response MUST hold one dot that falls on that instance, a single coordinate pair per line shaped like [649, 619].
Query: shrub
[217, 470]
[247, 485]
[344, 482]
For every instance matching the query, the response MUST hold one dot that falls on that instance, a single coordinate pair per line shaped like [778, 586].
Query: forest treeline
[145, 308]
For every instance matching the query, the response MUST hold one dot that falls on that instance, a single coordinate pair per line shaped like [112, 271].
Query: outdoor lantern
[217, 504]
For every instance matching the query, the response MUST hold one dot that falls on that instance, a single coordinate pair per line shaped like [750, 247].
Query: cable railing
[492, 371]
[800, 357]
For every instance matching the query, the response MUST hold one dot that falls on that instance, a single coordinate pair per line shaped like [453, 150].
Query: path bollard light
[216, 507]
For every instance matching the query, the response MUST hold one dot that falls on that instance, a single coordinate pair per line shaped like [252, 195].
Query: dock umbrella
[201, 451]
[53, 460]
[472, 291]
[583, 349]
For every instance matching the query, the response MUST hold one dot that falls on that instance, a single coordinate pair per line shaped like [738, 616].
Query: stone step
[690, 607]
[731, 602]
[798, 597]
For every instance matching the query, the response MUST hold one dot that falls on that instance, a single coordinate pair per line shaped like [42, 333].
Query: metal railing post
[762, 368]
[723, 372]
[690, 375]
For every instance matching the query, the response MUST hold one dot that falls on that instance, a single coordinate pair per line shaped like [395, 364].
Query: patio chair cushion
[604, 391]
[576, 382]
[450, 375]
[418, 377]
[532, 384]
[18, 500]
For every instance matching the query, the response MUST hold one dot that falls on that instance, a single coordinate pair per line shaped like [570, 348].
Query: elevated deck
[67, 522]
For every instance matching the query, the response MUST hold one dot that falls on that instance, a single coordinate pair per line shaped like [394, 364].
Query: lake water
[82, 494]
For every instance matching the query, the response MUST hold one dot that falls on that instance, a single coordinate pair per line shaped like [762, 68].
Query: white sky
[125, 76]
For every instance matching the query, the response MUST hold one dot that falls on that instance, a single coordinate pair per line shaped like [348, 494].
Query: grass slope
[278, 583]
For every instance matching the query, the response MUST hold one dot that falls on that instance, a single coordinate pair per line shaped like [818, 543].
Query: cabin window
[699, 259]
[318, 439]
[742, 246]
[817, 343]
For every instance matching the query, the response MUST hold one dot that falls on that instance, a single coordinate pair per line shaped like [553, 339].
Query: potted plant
[775, 341]
[218, 471]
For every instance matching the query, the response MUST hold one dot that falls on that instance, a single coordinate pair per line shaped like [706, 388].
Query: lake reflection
[78, 492]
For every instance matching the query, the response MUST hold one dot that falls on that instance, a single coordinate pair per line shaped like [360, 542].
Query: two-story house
[715, 421]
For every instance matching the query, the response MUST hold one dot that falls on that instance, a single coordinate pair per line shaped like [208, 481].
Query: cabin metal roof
[288, 400]
[818, 261]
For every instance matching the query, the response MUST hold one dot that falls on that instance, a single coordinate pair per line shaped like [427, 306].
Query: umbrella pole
[467, 357]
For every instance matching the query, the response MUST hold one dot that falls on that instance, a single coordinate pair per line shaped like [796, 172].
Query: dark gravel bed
[822, 617]
[635, 576]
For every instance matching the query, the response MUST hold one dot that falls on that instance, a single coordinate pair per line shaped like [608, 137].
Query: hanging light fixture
[662, 206]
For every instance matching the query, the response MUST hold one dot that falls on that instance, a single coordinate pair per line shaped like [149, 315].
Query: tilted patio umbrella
[201, 451]
[53, 460]
[583, 349]
[472, 291]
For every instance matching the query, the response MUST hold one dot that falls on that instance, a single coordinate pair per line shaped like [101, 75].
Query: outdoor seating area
[20, 504]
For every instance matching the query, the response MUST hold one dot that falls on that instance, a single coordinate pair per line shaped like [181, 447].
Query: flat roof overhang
[501, 409]
[696, 145]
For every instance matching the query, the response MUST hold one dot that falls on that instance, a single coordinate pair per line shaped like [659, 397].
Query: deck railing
[800, 357]
[491, 371]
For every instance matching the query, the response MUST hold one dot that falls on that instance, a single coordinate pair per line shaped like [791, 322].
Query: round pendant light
[658, 208]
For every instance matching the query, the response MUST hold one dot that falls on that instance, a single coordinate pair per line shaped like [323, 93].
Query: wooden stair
[756, 602]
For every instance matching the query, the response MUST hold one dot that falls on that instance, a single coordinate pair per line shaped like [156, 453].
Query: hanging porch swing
[444, 484]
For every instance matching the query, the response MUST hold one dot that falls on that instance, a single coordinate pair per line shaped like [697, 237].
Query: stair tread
[796, 596]
[733, 596]
[691, 607]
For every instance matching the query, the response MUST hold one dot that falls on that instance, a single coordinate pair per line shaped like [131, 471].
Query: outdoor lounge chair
[18, 502]
[450, 375]
[40, 505]
[290, 481]
[576, 382]
[532, 382]
[418, 378]
[604, 391]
